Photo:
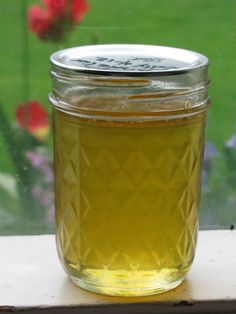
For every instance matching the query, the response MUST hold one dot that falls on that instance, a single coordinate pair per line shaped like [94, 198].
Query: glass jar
[128, 148]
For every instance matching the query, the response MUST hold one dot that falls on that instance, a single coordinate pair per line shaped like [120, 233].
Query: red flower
[40, 21]
[49, 23]
[57, 8]
[78, 10]
[33, 117]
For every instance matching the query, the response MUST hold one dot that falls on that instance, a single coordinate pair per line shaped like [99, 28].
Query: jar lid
[128, 60]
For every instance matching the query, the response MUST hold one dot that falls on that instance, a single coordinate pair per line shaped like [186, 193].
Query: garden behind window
[33, 29]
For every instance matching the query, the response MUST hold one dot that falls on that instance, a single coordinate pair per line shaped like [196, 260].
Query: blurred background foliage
[206, 26]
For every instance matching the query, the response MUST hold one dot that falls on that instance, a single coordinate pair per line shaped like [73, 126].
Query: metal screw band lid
[128, 60]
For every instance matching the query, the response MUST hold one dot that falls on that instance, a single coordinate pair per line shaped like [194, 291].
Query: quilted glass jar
[128, 148]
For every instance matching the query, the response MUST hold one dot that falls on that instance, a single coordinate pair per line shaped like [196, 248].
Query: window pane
[30, 34]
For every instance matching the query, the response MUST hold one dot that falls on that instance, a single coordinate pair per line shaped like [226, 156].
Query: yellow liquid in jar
[127, 198]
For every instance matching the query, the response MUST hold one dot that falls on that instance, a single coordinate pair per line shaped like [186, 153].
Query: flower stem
[25, 59]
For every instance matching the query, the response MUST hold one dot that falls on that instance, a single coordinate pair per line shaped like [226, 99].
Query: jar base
[154, 287]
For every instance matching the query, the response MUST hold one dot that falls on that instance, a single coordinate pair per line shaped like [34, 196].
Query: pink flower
[40, 162]
[40, 21]
[44, 196]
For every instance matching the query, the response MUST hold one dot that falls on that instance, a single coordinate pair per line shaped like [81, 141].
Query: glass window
[32, 30]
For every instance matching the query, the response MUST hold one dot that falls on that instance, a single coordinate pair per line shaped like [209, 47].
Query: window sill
[32, 281]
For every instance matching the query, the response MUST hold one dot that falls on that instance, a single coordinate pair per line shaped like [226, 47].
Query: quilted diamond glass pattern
[127, 199]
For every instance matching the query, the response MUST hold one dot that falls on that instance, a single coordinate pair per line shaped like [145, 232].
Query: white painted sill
[32, 281]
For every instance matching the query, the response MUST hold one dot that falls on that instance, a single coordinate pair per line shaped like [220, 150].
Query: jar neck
[126, 98]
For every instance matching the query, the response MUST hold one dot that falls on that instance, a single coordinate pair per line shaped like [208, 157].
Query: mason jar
[128, 147]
